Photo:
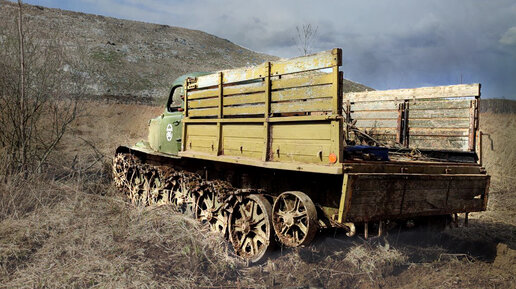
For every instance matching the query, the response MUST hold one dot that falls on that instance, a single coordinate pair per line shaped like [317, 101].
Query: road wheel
[184, 199]
[250, 228]
[210, 210]
[295, 219]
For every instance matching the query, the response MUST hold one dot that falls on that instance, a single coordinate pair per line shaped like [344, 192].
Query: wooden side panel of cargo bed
[384, 196]
[284, 114]
[441, 117]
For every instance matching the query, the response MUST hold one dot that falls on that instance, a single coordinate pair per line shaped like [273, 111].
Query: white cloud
[509, 37]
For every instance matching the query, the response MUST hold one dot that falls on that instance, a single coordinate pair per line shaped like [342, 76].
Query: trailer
[275, 152]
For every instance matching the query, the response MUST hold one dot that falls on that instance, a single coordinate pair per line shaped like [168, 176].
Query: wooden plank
[451, 91]
[316, 61]
[244, 110]
[440, 123]
[266, 114]
[297, 93]
[384, 114]
[299, 118]
[443, 104]
[375, 106]
[438, 132]
[203, 112]
[323, 104]
[202, 130]
[243, 130]
[432, 142]
[303, 131]
[203, 103]
[244, 99]
[388, 123]
[441, 113]
[302, 81]
[205, 93]
[241, 146]
[232, 76]
[301, 148]
[244, 88]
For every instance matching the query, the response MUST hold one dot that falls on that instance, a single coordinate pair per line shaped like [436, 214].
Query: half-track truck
[273, 153]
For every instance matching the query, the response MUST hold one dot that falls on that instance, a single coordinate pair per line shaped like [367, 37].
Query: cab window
[175, 100]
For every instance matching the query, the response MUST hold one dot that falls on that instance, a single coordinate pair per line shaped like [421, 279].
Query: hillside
[116, 57]
[121, 57]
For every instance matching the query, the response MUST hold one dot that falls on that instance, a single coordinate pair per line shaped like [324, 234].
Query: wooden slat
[390, 123]
[242, 130]
[302, 93]
[375, 106]
[244, 99]
[244, 110]
[203, 112]
[461, 90]
[320, 60]
[323, 104]
[446, 104]
[232, 76]
[449, 123]
[300, 131]
[441, 113]
[438, 132]
[202, 130]
[300, 81]
[247, 145]
[432, 142]
[244, 88]
[205, 93]
[203, 103]
[385, 114]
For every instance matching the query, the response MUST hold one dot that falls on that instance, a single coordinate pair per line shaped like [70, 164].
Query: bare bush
[305, 37]
[36, 107]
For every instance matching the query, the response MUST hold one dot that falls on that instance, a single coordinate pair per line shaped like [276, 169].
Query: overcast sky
[386, 44]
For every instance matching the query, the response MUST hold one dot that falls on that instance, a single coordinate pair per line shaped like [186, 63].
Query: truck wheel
[211, 211]
[294, 219]
[250, 228]
[184, 200]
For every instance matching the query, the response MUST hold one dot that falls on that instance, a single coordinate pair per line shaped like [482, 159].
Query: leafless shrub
[305, 38]
[36, 108]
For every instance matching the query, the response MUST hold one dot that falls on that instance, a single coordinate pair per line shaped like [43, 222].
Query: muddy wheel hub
[289, 220]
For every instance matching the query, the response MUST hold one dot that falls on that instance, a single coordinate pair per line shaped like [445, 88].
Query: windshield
[175, 99]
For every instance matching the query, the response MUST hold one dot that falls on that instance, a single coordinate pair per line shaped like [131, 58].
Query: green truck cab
[165, 130]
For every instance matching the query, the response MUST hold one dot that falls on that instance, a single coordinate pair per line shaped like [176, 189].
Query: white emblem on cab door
[170, 129]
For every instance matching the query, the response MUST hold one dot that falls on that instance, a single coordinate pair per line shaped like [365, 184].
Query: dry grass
[77, 231]
[89, 240]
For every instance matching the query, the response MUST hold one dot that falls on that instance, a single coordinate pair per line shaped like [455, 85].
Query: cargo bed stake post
[366, 230]
[380, 228]
[266, 146]
[185, 115]
[337, 124]
[220, 114]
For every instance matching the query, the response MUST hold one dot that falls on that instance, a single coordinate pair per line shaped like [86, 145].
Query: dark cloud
[386, 44]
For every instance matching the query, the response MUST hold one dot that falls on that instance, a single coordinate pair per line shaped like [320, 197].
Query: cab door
[171, 123]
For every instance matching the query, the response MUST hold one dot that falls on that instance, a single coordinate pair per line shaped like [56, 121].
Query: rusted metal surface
[251, 229]
[395, 196]
[294, 219]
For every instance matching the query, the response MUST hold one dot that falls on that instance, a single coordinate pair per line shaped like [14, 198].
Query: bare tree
[37, 104]
[305, 37]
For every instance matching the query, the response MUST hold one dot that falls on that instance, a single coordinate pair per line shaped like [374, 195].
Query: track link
[210, 201]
